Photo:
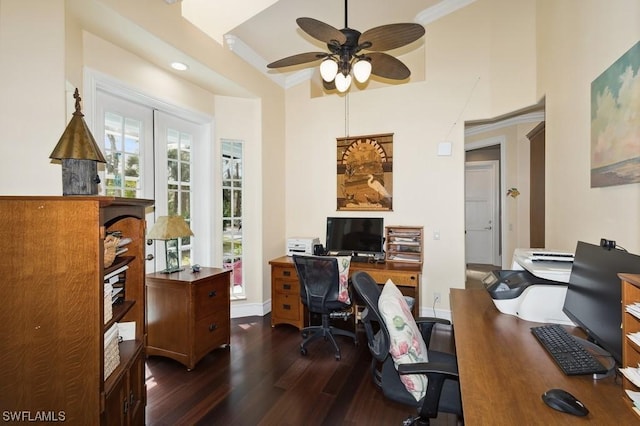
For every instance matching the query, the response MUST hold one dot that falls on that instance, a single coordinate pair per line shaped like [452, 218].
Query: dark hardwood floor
[262, 379]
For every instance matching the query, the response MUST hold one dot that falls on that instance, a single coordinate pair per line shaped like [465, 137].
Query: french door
[149, 155]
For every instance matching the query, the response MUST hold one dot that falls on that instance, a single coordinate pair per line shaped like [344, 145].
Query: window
[179, 187]
[232, 212]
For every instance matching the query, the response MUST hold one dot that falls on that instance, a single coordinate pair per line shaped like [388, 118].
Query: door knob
[488, 228]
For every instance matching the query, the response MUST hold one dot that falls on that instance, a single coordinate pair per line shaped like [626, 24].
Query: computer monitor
[593, 299]
[355, 235]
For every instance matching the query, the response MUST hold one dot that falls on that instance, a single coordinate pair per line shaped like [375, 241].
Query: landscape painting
[365, 173]
[615, 122]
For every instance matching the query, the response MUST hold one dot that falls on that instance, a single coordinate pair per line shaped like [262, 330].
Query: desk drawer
[286, 306]
[211, 332]
[286, 272]
[399, 278]
[286, 287]
[210, 297]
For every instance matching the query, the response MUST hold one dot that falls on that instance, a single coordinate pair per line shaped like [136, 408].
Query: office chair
[442, 389]
[320, 292]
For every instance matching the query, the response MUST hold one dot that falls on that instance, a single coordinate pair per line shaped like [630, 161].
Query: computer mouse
[562, 400]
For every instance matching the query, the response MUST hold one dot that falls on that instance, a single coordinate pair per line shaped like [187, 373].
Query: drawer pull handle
[287, 307]
[286, 273]
[212, 293]
[212, 327]
[286, 286]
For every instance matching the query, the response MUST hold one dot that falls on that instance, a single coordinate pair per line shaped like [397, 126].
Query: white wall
[578, 40]
[32, 95]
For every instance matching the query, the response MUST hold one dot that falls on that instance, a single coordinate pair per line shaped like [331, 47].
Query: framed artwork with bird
[365, 173]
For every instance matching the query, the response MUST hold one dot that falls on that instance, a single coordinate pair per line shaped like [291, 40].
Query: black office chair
[319, 290]
[443, 390]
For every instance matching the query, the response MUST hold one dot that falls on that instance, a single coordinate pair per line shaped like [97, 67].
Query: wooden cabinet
[188, 314]
[630, 324]
[52, 363]
[404, 244]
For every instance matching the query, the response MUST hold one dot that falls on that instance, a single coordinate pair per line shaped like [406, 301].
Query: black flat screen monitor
[355, 235]
[593, 300]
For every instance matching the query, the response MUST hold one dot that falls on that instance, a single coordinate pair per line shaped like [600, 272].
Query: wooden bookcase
[53, 326]
[630, 324]
[404, 244]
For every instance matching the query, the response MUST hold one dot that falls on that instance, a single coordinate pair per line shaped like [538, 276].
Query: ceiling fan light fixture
[362, 70]
[343, 82]
[328, 69]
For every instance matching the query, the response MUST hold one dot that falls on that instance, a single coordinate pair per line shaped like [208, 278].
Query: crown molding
[533, 117]
[441, 9]
[242, 49]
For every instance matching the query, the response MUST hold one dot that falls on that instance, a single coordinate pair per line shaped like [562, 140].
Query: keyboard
[572, 358]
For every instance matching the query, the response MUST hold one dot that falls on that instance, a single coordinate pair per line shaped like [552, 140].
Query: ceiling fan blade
[300, 58]
[391, 36]
[387, 66]
[321, 31]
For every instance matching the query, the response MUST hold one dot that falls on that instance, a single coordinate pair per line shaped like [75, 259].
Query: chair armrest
[437, 373]
[433, 320]
[446, 369]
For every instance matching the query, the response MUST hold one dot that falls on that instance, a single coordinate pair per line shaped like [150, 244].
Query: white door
[481, 212]
[126, 130]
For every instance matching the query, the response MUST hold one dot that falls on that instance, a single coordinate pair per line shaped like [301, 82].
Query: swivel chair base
[327, 331]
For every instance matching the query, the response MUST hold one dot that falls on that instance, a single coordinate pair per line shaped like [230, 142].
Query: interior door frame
[501, 197]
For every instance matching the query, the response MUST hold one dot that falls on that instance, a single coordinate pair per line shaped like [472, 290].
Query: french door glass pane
[232, 157]
[122, 155]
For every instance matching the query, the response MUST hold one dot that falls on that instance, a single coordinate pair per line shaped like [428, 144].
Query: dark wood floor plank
[262, 379]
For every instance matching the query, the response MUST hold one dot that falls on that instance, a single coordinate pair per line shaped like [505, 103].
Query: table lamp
[169, 228]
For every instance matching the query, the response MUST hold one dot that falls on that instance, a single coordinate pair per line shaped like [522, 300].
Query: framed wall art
[615, 128]
[365, 173]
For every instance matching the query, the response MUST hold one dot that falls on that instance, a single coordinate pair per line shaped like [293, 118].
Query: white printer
[535, 288]
[301, 245]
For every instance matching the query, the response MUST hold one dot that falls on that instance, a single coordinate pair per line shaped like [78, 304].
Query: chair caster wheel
[303, 351]
[337, 357]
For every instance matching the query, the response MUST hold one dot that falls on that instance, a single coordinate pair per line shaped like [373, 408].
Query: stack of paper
[633, 309]
[632, 373]
[634, 337]
[635, 398]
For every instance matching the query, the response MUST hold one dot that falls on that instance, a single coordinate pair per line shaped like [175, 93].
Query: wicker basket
[110, 247]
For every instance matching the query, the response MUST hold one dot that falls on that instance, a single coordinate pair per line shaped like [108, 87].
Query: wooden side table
[188, 314]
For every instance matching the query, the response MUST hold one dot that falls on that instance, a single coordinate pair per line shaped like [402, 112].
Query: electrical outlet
[436, 298]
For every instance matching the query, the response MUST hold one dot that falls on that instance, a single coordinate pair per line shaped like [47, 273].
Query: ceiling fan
[353, 52]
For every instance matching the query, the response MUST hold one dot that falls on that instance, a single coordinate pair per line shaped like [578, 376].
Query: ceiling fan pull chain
[346, 115]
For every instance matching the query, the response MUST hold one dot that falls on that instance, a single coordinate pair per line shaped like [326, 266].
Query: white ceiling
[268, 34]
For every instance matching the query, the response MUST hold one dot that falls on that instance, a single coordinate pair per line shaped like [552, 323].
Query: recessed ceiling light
[179, 66]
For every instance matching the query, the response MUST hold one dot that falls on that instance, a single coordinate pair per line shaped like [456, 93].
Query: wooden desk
[287, 307]
[504, 371]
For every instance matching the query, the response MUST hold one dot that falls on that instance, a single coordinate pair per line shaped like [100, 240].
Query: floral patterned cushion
[407, 345]
[343, 269]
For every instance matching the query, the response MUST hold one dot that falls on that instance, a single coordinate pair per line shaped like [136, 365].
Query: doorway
[482, 223]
